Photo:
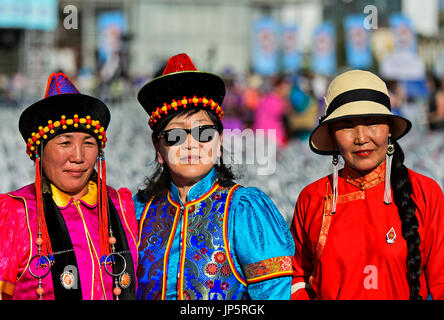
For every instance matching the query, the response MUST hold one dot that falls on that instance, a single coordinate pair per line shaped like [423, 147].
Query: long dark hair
[160, 180]
[402, 196]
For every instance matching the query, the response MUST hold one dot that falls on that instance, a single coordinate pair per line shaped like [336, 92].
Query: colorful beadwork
[183, 103]
[43, 133]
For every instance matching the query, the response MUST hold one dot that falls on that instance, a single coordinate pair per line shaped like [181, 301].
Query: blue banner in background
[29, 14]
[292, 55]
[404, 32]
[357, 42]
[324, 50]
[111, 26]
[265, 46]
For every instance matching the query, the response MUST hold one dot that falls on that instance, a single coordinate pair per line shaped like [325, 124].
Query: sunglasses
[177, 136]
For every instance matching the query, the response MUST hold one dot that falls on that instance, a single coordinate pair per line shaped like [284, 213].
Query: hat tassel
[388, 170]
[335, 182]
[43, 242]
[103, 207]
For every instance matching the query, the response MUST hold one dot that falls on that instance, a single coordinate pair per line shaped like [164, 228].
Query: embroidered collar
[63, 200]
[196, 191]
[364, 182]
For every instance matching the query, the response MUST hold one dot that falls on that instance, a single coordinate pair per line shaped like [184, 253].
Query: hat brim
[52, 108]
[176, 85]
[321, 141]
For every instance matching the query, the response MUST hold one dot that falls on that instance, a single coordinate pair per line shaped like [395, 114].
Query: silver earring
[335, 163]
[388, 170]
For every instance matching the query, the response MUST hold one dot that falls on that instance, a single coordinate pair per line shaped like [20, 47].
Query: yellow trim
[184, 229]
[29, 231]
[91, 244]
[124, 219]
[7, 287]
[225, 235]
[167, 251]
[62, 199]
[184, 249]
[142, 220]
[270, 276]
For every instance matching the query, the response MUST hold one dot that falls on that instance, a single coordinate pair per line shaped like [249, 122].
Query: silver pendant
[124, 280]
[67, 279]
[391, 236]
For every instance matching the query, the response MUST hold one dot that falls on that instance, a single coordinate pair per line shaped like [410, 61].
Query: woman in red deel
[373, 230]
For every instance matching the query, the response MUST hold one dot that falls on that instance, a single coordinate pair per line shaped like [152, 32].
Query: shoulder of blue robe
[139, 206]
[262, 241]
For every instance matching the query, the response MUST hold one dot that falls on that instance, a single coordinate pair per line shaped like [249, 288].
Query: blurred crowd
[289, 104]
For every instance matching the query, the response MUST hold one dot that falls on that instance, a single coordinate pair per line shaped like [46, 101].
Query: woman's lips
[363, 153]
[190, 159]
[75, 173]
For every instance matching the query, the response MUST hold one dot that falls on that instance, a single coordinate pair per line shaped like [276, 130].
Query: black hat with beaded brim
[181, 86]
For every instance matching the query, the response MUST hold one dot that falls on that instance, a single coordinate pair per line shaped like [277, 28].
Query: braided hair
[160, 180]
[402, 196]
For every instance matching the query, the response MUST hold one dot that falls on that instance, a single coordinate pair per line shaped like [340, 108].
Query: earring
[335, 163]
[388, 170]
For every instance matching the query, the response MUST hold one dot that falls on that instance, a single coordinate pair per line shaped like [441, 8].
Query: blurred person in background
[372, 230]
[272, 109]
[234, 111]
[435, 114]
[201, 235]
[301, 119]
[68, 236]
[251, 98]
[397, 96]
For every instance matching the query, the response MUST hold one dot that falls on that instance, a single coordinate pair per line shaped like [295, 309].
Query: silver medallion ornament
[67, 279]
[124, 280]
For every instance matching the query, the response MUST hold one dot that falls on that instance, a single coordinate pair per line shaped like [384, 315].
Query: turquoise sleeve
[259, 233]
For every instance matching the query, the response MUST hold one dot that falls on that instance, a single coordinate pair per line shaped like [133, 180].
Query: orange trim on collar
[365, 182]
[190, 203]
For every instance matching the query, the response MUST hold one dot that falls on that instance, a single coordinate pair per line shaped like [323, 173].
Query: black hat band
[357, 95]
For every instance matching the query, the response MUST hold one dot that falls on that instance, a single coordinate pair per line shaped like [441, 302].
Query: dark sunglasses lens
[175, 137]
[206, 134]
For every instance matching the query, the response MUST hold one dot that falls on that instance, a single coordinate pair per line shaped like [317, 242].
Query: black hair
[402, 196]
[160, 180]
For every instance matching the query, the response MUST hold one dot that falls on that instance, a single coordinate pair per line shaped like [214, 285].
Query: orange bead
[112, 240]
[117, 291]
[125, 280]
[39, 291]
[39, 241]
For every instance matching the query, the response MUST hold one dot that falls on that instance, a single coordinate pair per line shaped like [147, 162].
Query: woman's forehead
[71, 135]
[185, 120]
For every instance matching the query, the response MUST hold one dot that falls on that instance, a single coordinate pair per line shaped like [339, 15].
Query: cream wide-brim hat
[354, 94]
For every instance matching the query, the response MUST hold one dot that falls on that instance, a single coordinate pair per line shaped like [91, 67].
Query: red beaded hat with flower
[63, 109]
[181, 86]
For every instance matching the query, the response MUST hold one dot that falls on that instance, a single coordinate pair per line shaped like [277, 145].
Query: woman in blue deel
[201, 235]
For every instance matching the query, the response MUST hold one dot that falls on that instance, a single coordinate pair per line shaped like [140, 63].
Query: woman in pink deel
[271, 110]
[68, 236]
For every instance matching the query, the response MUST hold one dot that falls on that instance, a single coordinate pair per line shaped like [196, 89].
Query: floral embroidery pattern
[268, 267]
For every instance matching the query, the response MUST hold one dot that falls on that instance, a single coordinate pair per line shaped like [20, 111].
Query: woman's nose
[77, 154]
[361, 134]
[191, 142]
